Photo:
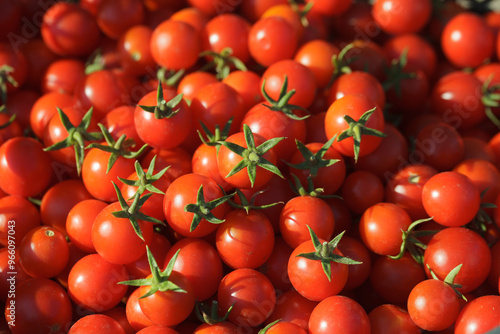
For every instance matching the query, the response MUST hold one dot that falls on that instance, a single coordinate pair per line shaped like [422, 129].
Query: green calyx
[214, 139]
[357, 129]
[324, 253]
[6, 78]
[146, 179]
[396, 73]
[209, 314]
[341, 63]
[202, 209]
[411, 243]
[118, 148]
[3, 109]
[450, 280]
[253, 156]
[170, 77]
[313, 161]
[132, 211]
[490, 97]
[247, 205]
[77, 136]
[222, 62]
[159, 280]
[281, 104]
[268, 327]
[163, 108]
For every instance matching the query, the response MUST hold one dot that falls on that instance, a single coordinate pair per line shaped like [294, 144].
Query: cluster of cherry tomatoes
[249, 166]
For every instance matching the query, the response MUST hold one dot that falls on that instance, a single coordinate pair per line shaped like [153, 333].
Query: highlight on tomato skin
[256, 166]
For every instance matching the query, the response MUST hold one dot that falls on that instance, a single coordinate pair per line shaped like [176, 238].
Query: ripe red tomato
[353, 106]
[114, 18]
[93, 283]
[116, 240]
[70, 30]
[360, 190]
[43, 252]
[95, 323]
[451, 198]
[183, 191]
[45, 107]
[251, 294]
[317, 56]
[40, 304]
[467, 41]
[479, 316]
[62, 75]
[25, 169]
[339, 314]
[19, 215]
[271, 39]
[443, 253]
[381, 228]
[244, 240]
[402, 16]
[391, 319]
[175, 45]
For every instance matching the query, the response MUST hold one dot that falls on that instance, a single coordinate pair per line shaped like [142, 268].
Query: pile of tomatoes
[249, 166]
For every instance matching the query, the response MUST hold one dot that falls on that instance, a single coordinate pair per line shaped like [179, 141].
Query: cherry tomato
[362, 189]
[114, 18]
[479, 316]
[40, 304]
[95, 323]
[317, 56]
[93, 283]
[391, 319]
[339, 314]
[25, 169]
[18, 215]
[401, 16]
[292, 307]
[251, 294]
[451, 198]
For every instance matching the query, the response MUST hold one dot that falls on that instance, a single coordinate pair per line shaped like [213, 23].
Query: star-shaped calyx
[159, 280]
[118, 148]
[6, 78]
[3, 109]
[203, 210]
[146, 179]
[163, 108]
[253, 156]
[324, 253]
[77, 136]
[357, 129]
[281, 104]
[313, 161]
[132, 212]
[222, 62]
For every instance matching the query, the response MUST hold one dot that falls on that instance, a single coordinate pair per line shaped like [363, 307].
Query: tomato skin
[204, 162]
[200, 263]
[244, 240]
[360, 190]
[309, 279]
[275, 266]
[354, 106]
[303, 211]
[405, 189]
[283, 327]
[339, 314]
[158, 330]
[96, 323]
[247, 84]
[394, 279]
[169, 308]
[300, 78]
[164, 133]
[401, 16]
[45, 107]
[356, 250]
[391, 319]
[251, 293]
[70, 30]
[120, 121]
[43, 252]
[183, 191]
[433, 305]
[40, 304]
[25, 169]
[479, 316]
[135, 316]
[62, 75]
[95, 178]
[17, 60]
[451, 198]
[115, 239]
[114, 18]
[175, 45]
[22, 212]
[317, 55]
[467, 41]
[443, 253]
[484, 175]
[357, 83]
[381, 228]
[93, 283]
[58, 201]
[271, 39]
[292, 307]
